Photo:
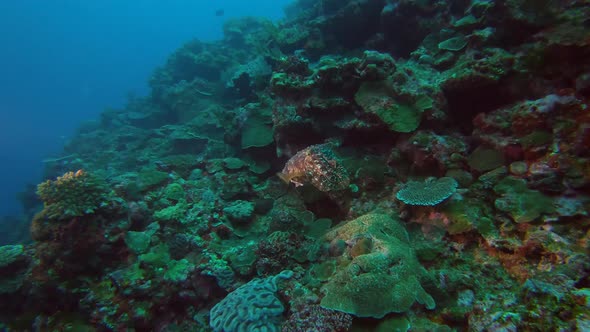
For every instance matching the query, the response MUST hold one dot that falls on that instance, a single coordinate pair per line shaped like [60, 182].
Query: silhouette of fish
[219, 12]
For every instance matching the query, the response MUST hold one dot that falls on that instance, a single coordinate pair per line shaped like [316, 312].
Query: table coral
[430, 192]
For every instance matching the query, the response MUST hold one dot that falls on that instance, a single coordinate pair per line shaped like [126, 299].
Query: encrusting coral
[385, 277]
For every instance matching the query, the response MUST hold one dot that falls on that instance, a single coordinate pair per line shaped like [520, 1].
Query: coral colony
[359, 166]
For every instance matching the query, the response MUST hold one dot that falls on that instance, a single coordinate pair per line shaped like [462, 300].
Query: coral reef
[433, 164]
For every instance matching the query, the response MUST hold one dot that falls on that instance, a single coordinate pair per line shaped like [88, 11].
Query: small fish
[219, 12]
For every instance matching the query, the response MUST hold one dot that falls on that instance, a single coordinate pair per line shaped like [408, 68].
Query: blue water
[63, 62]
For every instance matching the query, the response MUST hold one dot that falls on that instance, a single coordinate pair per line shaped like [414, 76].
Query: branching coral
[73, 194]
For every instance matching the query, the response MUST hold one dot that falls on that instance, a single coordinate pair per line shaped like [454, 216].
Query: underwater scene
[358, 165]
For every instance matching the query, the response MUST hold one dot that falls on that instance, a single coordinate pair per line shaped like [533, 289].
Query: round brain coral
[430, 192]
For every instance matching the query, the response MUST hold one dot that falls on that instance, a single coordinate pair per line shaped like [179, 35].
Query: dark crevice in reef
[325, 207]
[464, 104]
[301, 136]
[350, 31]
[373, 137]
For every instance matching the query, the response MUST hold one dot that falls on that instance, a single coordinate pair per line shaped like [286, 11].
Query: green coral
[253, 306]
[139, 242]
[375, 97]
[182, 164]
[10, 254]
[239, 211]
[178, 271]
[384, 280]
[74, 194]
[536, 138]
[453, 44]
[11, 281]
[233, 163]
[174, 212]
[149, 178]
[256, 133]
[402, 118]
[521, 203]
[430, 192]
[170, 269]
[174, 192]
[467, 214]
[484, 159]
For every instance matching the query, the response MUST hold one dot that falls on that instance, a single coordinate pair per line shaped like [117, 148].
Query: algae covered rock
[485, 159]
[149, 178]
[13, 268]
[256, 134]
[521, 203]
[139, 242]
[233, 163]
[404, 117]
[383, 279]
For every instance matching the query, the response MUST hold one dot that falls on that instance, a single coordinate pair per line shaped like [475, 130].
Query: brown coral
[317, 165]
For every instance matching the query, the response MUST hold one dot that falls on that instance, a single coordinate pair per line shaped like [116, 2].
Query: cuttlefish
[318, 166]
